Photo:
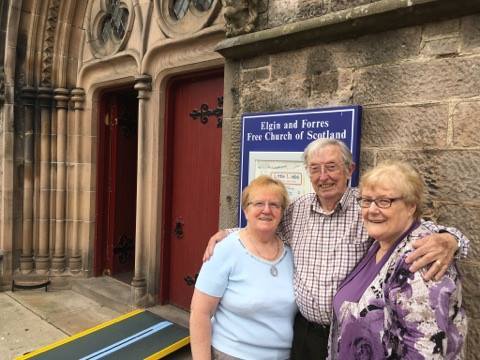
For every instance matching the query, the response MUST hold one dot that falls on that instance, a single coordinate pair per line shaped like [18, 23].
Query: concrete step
[106, 291]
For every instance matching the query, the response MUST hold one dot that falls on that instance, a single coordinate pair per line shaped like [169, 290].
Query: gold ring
[438, 262]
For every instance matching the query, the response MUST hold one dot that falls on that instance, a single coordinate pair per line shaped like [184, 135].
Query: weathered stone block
[255, 74]
[471, 290]
[418, 81]
[308, 9]
[384, 47]
[332, 88]
[466, 126]
[450, 175]
[318, 59]
[441, 47]
[465, 218]
[256, 62]
[367, 160]
[473, 335]
[231, 146]
[229, 198]
[306, 61]
[441, 28]
[283, 94]
[231, 101]
[348, 4]
[281, 12]
[470, 32]
[405, 126]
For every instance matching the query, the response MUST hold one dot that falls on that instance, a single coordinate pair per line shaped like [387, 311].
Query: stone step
[106, 291]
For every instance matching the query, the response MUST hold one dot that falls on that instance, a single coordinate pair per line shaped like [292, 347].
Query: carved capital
[28, 95]
[45, 96]
[61, 98]
[2, 85]
[143, 84]
[78, 98]
[240, 16]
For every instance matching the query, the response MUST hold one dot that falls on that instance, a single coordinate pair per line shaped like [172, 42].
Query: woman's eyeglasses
[382, 203]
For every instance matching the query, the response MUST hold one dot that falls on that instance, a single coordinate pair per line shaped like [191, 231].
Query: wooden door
[116, 183]
[192, 188]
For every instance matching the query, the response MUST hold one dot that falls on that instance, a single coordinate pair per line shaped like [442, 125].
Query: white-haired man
[327, 237]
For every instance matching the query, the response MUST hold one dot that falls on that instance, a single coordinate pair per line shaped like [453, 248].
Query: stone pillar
[75, 263]
[26, 255]
[143, 85]
[58, 258]
[42, 255]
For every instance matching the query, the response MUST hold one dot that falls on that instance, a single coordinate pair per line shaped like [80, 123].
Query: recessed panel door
[193, 179]
[116, 186]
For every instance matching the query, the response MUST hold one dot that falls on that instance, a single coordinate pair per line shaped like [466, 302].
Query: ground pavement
[30, 319]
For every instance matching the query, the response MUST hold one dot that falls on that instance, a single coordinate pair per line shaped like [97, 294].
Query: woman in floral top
[382, 310]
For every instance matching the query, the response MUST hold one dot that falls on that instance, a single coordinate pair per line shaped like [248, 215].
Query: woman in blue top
[247, 286]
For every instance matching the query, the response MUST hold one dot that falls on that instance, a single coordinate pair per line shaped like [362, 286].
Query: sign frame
[278, 135]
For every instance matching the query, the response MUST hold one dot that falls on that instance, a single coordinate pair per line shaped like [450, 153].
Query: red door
[117, 179]
[192, 181]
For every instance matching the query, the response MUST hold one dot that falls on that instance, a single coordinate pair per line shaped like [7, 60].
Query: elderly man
[327, 237]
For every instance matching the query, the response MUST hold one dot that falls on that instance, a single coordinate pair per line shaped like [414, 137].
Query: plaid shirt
[326, 247]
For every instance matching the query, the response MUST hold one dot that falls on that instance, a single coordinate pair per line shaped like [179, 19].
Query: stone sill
[376, 17]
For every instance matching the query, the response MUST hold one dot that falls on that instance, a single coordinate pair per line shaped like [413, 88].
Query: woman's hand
[435, 249]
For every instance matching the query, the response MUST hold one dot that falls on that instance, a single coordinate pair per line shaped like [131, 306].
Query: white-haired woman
[382, 310]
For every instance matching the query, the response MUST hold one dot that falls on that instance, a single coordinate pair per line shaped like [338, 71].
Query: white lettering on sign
[317, 124]
[267, 125]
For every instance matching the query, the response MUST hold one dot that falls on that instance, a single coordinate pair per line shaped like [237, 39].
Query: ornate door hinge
[204, 113]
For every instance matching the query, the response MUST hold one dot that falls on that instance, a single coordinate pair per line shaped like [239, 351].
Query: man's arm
[217, 237]
[438, 250]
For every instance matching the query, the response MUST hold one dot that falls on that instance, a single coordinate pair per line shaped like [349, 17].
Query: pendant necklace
[273, 267]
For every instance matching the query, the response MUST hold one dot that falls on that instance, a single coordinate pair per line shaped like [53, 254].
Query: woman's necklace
[273, 268]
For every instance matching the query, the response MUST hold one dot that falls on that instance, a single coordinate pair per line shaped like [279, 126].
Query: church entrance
[192, 180]
[116, 184]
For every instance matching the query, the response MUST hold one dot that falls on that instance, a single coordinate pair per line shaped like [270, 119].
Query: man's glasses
[382, 203]
[328, 168]
[260, 205]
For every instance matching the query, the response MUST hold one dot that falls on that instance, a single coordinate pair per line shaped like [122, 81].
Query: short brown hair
[265, 181]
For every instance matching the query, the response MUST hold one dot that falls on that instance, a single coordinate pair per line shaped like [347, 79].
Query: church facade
[121, 122]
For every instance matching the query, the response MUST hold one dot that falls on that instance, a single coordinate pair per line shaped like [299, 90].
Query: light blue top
[254, 319]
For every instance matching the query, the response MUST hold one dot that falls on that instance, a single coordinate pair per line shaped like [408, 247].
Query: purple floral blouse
[402, 316]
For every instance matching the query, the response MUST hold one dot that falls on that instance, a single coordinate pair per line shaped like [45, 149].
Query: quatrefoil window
[179, 18]
[110, 25]
[180, 7]
[114, 23]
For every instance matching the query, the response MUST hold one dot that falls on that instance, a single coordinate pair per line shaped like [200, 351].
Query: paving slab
[67, 310]
[22, 330]
[32, 319]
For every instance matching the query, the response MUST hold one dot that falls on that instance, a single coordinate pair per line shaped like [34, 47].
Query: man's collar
[342, 205]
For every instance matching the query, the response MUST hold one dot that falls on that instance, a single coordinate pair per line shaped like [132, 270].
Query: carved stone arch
[192, 21]
[48, 46]
[109, 25]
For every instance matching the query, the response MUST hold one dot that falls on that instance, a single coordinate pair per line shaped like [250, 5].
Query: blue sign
[273, 144]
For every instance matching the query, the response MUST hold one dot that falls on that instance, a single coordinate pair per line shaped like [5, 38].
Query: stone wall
[289, 11]
[420, 91]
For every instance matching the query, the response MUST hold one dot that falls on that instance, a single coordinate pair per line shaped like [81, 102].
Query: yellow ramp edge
[79, 335]
[169, 349]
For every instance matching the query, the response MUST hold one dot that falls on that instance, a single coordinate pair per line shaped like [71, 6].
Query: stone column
[143, 85]
[26, 255]
[58, 258]
[75, 263]
[42, 255]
